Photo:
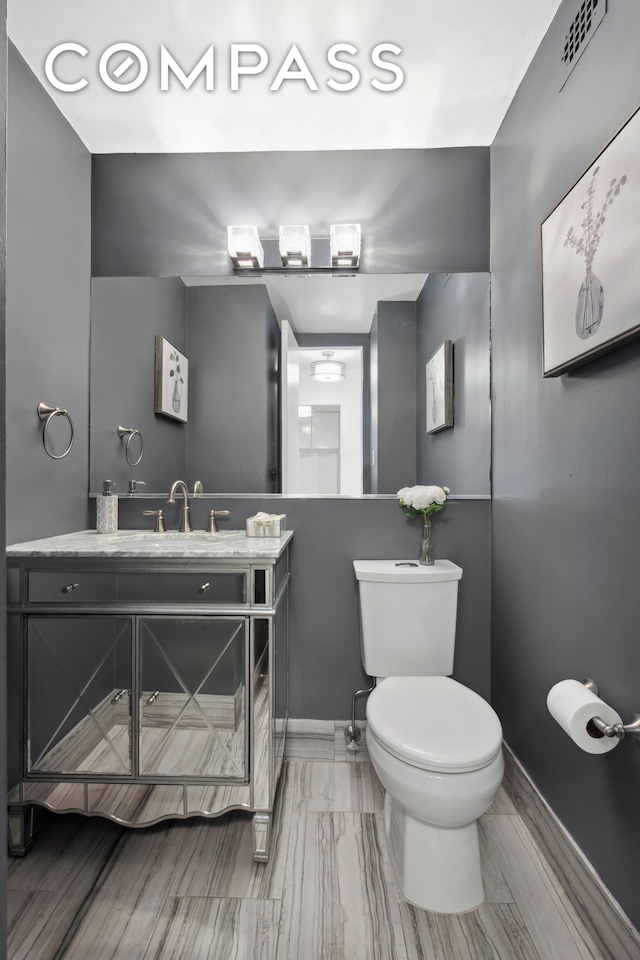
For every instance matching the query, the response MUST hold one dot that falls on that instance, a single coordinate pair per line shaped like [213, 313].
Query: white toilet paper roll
[573, 705]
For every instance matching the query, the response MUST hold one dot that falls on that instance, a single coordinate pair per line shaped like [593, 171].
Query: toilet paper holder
[598, 728]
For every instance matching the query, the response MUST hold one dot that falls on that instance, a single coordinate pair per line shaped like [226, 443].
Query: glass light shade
[327, 370]
[295, 245]
[245, 249]
[345, 244]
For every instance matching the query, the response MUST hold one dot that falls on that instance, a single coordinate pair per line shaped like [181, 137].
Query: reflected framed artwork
[590, 278]
[172, 381]
[440, 388]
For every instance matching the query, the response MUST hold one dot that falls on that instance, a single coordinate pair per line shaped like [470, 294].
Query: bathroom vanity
[149, 676]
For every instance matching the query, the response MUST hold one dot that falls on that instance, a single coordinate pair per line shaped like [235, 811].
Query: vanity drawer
[76, 586]
[206, 587]
[71, 586]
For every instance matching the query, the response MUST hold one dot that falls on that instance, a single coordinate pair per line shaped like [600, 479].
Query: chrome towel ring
[46, 413]
[130, 433]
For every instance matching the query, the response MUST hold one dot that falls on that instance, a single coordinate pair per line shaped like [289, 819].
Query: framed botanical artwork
[172, 381]
[440, 388]
[590, 245]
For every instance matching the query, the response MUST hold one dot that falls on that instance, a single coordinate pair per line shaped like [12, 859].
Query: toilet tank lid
[406, 571]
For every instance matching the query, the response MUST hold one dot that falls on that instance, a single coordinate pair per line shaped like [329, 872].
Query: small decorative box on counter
[266, 525]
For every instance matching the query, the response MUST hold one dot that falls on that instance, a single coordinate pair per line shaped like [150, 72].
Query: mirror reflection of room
[252, 348]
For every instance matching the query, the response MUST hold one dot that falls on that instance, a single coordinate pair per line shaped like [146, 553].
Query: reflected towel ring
[46, 413]
[130, 433]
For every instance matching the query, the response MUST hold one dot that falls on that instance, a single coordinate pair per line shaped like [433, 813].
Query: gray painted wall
[3, 482]
[233, 341]
[456, 307]
[164, 215]
[394, 332]
[566, 460]
[126, 315]
[48, 305]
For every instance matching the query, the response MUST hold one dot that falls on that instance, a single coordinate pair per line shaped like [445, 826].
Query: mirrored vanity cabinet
[149, 676]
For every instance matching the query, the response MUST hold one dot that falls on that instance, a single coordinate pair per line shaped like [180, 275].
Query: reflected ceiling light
[245, 249]
[345, 244]
[327, 369]
[295, 245]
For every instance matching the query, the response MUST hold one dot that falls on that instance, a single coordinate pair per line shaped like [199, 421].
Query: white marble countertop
[226, 544]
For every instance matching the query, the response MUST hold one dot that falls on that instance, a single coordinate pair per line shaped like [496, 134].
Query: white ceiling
[462, 61]
[318, 303]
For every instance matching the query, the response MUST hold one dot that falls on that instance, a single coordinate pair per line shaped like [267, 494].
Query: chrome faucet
[185, 526]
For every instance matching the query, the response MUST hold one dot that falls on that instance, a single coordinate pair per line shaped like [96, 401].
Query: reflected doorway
[319, 445]
[322, 422]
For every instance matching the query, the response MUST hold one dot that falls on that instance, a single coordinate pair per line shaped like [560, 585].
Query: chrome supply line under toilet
[352, 734]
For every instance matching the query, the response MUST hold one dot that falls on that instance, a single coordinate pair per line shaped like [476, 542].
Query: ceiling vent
[585, 19]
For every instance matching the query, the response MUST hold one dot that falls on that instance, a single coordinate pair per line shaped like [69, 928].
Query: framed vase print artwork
[172, 381]
[440, 388]
[590, 244]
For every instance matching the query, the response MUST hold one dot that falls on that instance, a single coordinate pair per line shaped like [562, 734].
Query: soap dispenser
[107, 509]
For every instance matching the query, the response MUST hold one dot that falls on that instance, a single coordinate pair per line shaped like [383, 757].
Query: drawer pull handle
[204, 588]
[70, 587]
[120, 695]
[152, 698]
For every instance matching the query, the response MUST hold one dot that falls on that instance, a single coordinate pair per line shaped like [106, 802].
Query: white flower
[423, 500]
[420, 497]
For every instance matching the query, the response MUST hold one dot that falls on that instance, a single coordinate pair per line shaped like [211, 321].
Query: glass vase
[176, 399]
[590, 306]
[426, 547]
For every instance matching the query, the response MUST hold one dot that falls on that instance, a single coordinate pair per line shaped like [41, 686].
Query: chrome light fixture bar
[295, 250]
[245, 249]
[327, 370]
[345, 244]
[295, 245]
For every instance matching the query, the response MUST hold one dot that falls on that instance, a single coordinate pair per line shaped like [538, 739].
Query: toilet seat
[434, 723]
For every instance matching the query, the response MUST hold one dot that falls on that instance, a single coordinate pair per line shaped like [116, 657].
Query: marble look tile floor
[190, 890]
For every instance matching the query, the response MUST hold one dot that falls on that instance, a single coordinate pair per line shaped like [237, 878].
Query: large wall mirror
[252, 418]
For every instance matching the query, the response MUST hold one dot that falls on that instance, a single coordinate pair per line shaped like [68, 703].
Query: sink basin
[172, 543]
[148, 536]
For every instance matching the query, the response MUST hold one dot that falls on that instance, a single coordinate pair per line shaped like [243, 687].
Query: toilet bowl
[436, 747]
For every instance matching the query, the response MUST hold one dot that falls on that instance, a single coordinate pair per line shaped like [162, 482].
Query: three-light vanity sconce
[295, 247]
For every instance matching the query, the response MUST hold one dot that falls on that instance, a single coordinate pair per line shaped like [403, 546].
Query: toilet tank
[407, 616]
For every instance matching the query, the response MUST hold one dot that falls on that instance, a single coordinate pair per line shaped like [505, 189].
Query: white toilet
[435, 745]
